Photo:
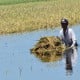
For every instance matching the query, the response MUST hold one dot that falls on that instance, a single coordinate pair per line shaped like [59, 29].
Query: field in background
[7, 2]
[35, 15]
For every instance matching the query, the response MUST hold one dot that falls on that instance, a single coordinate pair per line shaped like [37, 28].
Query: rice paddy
[34, 15]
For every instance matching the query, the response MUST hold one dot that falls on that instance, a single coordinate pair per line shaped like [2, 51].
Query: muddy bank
[49, 49]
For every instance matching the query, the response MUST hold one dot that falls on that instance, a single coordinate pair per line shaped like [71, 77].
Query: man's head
[64, 23]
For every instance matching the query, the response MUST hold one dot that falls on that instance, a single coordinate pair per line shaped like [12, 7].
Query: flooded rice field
[17, 63]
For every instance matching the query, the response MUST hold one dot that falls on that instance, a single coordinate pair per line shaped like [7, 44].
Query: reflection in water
[70, 56]
[20, 71]
[49, 56]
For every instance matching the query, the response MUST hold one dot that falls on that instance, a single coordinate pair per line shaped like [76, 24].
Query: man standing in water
[67, 34]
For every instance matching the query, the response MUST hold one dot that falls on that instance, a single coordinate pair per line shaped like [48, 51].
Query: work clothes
[68, 37]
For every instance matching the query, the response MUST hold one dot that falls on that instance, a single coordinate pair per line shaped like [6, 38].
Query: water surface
[17, 63]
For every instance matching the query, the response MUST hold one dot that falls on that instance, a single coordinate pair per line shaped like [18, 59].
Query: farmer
[67, 35]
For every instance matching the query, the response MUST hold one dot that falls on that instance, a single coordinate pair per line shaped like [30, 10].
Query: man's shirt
[69, 37]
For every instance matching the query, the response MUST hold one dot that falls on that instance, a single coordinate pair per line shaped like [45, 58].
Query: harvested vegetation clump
[49, 49]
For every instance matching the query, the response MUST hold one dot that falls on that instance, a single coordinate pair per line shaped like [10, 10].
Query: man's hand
[72, 46]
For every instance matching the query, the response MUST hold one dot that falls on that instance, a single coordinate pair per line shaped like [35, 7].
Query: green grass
[7, 2]
[37, 15]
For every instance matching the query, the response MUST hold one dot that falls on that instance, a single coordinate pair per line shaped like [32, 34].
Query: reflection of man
[71, 56]
[68, 54]
[74, 55]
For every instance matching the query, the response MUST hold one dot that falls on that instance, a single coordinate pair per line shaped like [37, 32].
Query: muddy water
[17, 63]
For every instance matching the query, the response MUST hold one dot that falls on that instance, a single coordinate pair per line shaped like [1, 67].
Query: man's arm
[61, 36]
[73, 38]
